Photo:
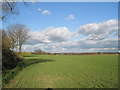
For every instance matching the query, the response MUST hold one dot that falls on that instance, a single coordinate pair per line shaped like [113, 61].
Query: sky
[69, 26]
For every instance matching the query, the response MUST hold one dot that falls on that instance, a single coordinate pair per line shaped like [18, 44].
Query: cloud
[51, 34]
[46, 12]
[76, 46]
[70, 17]
[39, 9]
[34, 1]
[101, 30]
[96, 37]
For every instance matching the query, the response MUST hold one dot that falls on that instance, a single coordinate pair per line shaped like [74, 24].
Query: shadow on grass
[27, 56]
[39, 60]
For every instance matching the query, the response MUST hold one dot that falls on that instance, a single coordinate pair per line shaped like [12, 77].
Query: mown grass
[63, 71]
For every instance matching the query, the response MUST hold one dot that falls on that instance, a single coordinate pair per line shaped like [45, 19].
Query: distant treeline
[41, 52]
[89, 53]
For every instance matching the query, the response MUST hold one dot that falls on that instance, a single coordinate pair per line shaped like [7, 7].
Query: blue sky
[69, 26]
[84, 13]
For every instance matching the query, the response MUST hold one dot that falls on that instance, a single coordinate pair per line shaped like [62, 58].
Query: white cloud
[70, 17]
[39, 9]
[97, 37]
[99, 30]
[33, 1]
[51, 34]
[76, 46]
[46, 12]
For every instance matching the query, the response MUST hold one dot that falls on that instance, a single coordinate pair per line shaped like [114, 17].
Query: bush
[11, 64]
[10, 60]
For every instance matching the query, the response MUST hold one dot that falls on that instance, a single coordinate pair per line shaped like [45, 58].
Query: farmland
[68, 71]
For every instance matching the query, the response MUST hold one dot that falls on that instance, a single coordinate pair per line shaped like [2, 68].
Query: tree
[18, 33]
[0, 40]
[9, 58]
[7, 8]
[38, 51]
[13, 35]
[6, 42]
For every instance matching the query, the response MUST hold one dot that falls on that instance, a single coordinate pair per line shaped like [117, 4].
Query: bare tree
[0, 41]
[18, 33]
[8, 8]
[13, 36]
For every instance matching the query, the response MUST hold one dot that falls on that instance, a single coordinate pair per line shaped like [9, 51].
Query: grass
[63, 71]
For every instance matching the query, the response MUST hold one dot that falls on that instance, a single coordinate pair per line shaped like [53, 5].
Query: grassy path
[68, 72]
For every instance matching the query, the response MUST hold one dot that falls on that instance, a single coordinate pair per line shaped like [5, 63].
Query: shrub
[11, 64]
[9, 59]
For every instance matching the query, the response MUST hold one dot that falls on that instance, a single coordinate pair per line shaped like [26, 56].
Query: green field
[68, 71]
